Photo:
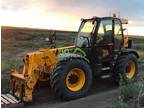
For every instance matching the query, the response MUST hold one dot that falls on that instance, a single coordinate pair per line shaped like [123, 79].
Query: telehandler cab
[100, 49]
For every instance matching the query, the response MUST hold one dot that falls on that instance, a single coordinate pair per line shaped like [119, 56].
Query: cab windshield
[84, 34]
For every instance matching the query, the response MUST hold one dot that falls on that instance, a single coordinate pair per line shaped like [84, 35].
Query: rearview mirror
[86, 42]
[82, 19]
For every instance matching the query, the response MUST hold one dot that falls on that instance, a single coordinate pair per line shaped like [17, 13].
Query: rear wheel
[130, 69]
[71, 79]
[126, 66]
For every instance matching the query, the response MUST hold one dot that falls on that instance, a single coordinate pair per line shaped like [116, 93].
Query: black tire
[121, 66]
[58, 79]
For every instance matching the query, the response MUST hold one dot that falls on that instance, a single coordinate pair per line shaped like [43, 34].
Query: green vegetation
[131, 94]
[141, 54]
[129, 91]
[120, 103]
[9, 64]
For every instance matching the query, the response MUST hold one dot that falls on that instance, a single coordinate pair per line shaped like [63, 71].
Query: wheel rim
[75, 79]
[131, 71]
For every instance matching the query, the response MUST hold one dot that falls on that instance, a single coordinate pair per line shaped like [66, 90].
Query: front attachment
[22, 87]
[7, 99]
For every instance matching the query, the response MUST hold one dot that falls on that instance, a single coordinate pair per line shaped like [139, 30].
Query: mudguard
[127, 50]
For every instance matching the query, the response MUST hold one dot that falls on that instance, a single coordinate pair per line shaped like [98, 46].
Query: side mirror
[82, 19]
[86, 43]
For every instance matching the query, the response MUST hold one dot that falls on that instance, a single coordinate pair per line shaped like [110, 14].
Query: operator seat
[107, 37]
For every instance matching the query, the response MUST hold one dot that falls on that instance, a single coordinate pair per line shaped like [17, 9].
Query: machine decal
[72, 50]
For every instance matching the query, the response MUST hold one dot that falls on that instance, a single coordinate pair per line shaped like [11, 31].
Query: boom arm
[37, 65]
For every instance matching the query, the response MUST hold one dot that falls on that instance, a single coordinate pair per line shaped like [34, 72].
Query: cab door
[103, 46]
[104, 39]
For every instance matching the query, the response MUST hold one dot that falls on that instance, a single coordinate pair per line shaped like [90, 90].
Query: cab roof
[123, 20]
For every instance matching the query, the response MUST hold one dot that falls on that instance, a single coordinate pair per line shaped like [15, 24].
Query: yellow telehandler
[100, 49]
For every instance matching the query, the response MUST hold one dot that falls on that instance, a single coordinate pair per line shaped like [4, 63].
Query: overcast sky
[66, 13]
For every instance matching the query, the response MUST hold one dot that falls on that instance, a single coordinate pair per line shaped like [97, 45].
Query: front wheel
[71, 79]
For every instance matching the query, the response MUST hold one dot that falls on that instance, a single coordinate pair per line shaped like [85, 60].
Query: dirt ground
[102, 94]
[17, 42]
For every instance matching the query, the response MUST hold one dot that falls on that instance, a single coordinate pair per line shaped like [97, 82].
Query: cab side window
[100, 34]
[117, 30]
[105, 33]
[118, 39]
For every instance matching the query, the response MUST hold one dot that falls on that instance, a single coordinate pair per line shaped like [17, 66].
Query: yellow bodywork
[37, 66]
[126, 39]
[125, 21]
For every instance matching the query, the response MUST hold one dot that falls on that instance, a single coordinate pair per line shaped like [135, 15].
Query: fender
[127, 50]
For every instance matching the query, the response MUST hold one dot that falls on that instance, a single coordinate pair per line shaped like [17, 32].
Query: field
[16, 42]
